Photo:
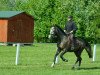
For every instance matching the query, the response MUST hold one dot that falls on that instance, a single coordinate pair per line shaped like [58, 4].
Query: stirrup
[72, 48]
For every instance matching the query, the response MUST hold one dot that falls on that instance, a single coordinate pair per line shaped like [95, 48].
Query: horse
[64, 45]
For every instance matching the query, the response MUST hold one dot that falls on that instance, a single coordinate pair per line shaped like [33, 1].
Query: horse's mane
[60, 29]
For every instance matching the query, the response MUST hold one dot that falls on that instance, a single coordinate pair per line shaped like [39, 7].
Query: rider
[71, 28]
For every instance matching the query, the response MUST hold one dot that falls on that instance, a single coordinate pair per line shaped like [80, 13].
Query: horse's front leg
[61, 56]
[56, 57]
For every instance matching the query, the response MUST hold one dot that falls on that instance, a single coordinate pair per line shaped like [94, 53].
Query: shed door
[19, 30]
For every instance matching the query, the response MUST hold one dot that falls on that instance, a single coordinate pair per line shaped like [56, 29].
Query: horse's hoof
[78, 68]
[52, 65]
[66, 60]
[73, 68]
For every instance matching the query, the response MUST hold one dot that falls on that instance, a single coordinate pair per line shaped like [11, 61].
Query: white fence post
[94, 52]
[17, 53]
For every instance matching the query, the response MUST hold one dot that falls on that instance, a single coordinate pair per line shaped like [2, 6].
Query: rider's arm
[74, 28]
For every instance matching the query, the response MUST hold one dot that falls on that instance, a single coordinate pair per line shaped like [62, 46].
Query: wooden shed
[16, 27]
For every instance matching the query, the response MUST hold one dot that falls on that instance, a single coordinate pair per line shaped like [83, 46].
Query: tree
[86, 14]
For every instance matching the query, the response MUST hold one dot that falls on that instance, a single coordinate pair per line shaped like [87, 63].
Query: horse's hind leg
[79, 59]
[75, 64]
[56, 57]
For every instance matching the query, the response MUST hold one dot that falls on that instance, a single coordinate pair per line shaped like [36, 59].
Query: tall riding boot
[72, 46]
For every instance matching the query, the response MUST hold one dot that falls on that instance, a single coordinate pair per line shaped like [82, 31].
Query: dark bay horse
[64, 45]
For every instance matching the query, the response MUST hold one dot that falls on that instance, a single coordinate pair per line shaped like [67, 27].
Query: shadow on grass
[90, 68]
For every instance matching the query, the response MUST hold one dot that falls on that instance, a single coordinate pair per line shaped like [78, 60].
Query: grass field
[37, 60]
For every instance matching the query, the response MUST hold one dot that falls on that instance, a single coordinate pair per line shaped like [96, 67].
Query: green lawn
[37, 60]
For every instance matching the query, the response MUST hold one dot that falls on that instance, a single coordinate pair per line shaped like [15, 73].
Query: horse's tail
[88, 49]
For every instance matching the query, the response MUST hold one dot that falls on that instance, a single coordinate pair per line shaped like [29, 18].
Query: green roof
[8, 14]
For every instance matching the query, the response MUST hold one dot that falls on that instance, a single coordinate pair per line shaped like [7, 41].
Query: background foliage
[48, 12]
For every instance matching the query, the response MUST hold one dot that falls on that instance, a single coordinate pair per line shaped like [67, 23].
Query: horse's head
[56, 32]
[53, 32]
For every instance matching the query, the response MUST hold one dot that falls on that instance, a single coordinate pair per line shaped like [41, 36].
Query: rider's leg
[72, 40]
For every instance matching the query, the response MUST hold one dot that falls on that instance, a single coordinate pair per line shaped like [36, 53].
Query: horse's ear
[56, 25]
[53, 25]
